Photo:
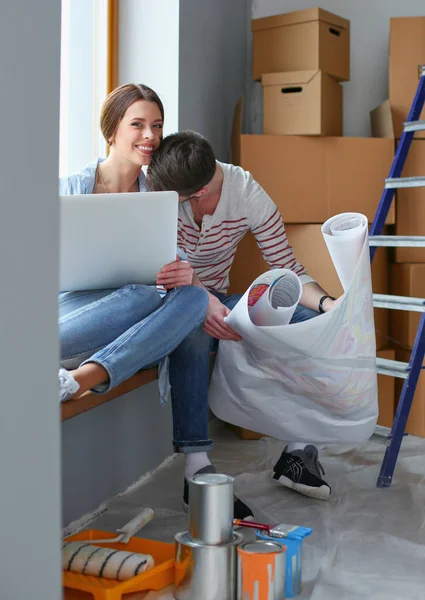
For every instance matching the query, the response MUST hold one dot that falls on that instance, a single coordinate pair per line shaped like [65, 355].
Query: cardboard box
[416, 421]
[407, 53]
[314, 178]
[381, 121]
[301, 41]
[311, 251]
[246, 434]
[302, 103]
[386, 392]
[406, 280]
[410, 206]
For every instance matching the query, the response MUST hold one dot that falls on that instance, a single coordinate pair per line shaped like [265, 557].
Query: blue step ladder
[408, 371]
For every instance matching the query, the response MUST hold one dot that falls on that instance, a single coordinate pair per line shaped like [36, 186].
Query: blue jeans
[189, 387]
[126, 329]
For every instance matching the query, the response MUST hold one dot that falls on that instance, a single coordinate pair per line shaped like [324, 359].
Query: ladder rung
[394, 368]
[414, 126]
[399, 302]
[404, 182]
[405, 241]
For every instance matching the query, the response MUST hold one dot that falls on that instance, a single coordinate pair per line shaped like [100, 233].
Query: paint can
[294, 553]
[205, 572]
[261, 571]
[211, 508]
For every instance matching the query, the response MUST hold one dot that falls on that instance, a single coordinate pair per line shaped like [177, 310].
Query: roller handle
[133, 526]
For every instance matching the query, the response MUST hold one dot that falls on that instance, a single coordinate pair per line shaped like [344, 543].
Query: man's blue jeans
[127, 329]
[189, 379]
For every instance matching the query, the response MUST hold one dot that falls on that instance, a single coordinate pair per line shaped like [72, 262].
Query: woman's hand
[214, 323]
[175, 274]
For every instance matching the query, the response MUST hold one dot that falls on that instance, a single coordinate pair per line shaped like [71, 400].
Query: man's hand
[175, 274]
[214, 323]
[329, 304]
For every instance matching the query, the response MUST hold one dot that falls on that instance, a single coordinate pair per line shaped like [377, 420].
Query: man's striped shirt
[243, 206]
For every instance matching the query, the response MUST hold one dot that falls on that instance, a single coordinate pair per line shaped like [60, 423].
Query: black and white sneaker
[301, 471]
[241, 510]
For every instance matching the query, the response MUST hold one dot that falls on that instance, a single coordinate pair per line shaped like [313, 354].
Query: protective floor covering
[367, 543]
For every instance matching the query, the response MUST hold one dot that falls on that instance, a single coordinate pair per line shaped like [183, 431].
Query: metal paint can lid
[261, 547]
[212, 479]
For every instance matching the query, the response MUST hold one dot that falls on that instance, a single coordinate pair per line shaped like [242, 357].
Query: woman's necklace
[104, 185]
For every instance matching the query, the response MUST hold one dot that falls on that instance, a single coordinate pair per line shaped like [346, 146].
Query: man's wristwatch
[322, 299]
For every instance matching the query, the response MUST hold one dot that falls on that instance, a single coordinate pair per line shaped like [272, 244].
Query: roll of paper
[275, 300]
[344, 236]
[81, 557]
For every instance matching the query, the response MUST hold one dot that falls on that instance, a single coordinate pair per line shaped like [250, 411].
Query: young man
[219, 203]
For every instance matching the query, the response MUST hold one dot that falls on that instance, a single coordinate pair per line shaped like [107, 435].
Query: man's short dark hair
[184, 162]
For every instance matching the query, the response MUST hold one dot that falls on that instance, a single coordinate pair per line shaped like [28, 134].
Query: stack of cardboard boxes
[407, 274]
[303, 163]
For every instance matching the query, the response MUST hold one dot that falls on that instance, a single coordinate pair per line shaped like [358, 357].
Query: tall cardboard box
[245, 434]
[407, 53]
[386, 392]
[410, 206]
[416, 421]
[301, 41]
[406, 280]
[311, 251]
[381, 121]
[302, 103]
[314, 178]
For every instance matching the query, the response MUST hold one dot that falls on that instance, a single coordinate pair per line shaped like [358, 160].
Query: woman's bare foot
[73, 384]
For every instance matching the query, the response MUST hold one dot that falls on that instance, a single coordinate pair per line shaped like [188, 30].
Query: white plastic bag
[313, 381]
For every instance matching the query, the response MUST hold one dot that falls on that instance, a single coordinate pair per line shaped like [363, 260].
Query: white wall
[29, 412]
[370, 23]
[79, 96]
[149, 51]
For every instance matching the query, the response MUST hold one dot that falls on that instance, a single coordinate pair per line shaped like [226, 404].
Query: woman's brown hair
[119, 100]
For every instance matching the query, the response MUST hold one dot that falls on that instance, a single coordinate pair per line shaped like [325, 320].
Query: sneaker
[301, 471]
[241, 510]
[67, 385]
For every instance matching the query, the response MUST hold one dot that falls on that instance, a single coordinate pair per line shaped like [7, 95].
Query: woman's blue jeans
[129, 329]
[189, 386]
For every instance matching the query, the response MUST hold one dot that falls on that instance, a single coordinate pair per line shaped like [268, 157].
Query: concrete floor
[367, 543]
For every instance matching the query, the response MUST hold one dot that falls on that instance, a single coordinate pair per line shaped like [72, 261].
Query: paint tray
[158, 578]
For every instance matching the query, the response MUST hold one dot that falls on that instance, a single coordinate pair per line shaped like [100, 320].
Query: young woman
[108, 335]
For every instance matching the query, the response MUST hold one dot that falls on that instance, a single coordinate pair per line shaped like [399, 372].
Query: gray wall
[370, 26]
[212, 67]
[29, 416]
[110, 447]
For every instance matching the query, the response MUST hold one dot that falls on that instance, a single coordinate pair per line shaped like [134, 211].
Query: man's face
[195, 196]
[191, 197]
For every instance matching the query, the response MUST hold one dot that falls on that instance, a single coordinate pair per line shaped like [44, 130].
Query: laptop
[111, 240]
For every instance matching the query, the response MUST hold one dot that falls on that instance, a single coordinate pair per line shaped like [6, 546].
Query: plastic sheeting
[313, 381]
[367, 543]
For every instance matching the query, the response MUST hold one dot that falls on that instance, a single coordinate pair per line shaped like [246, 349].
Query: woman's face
[139, 133]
